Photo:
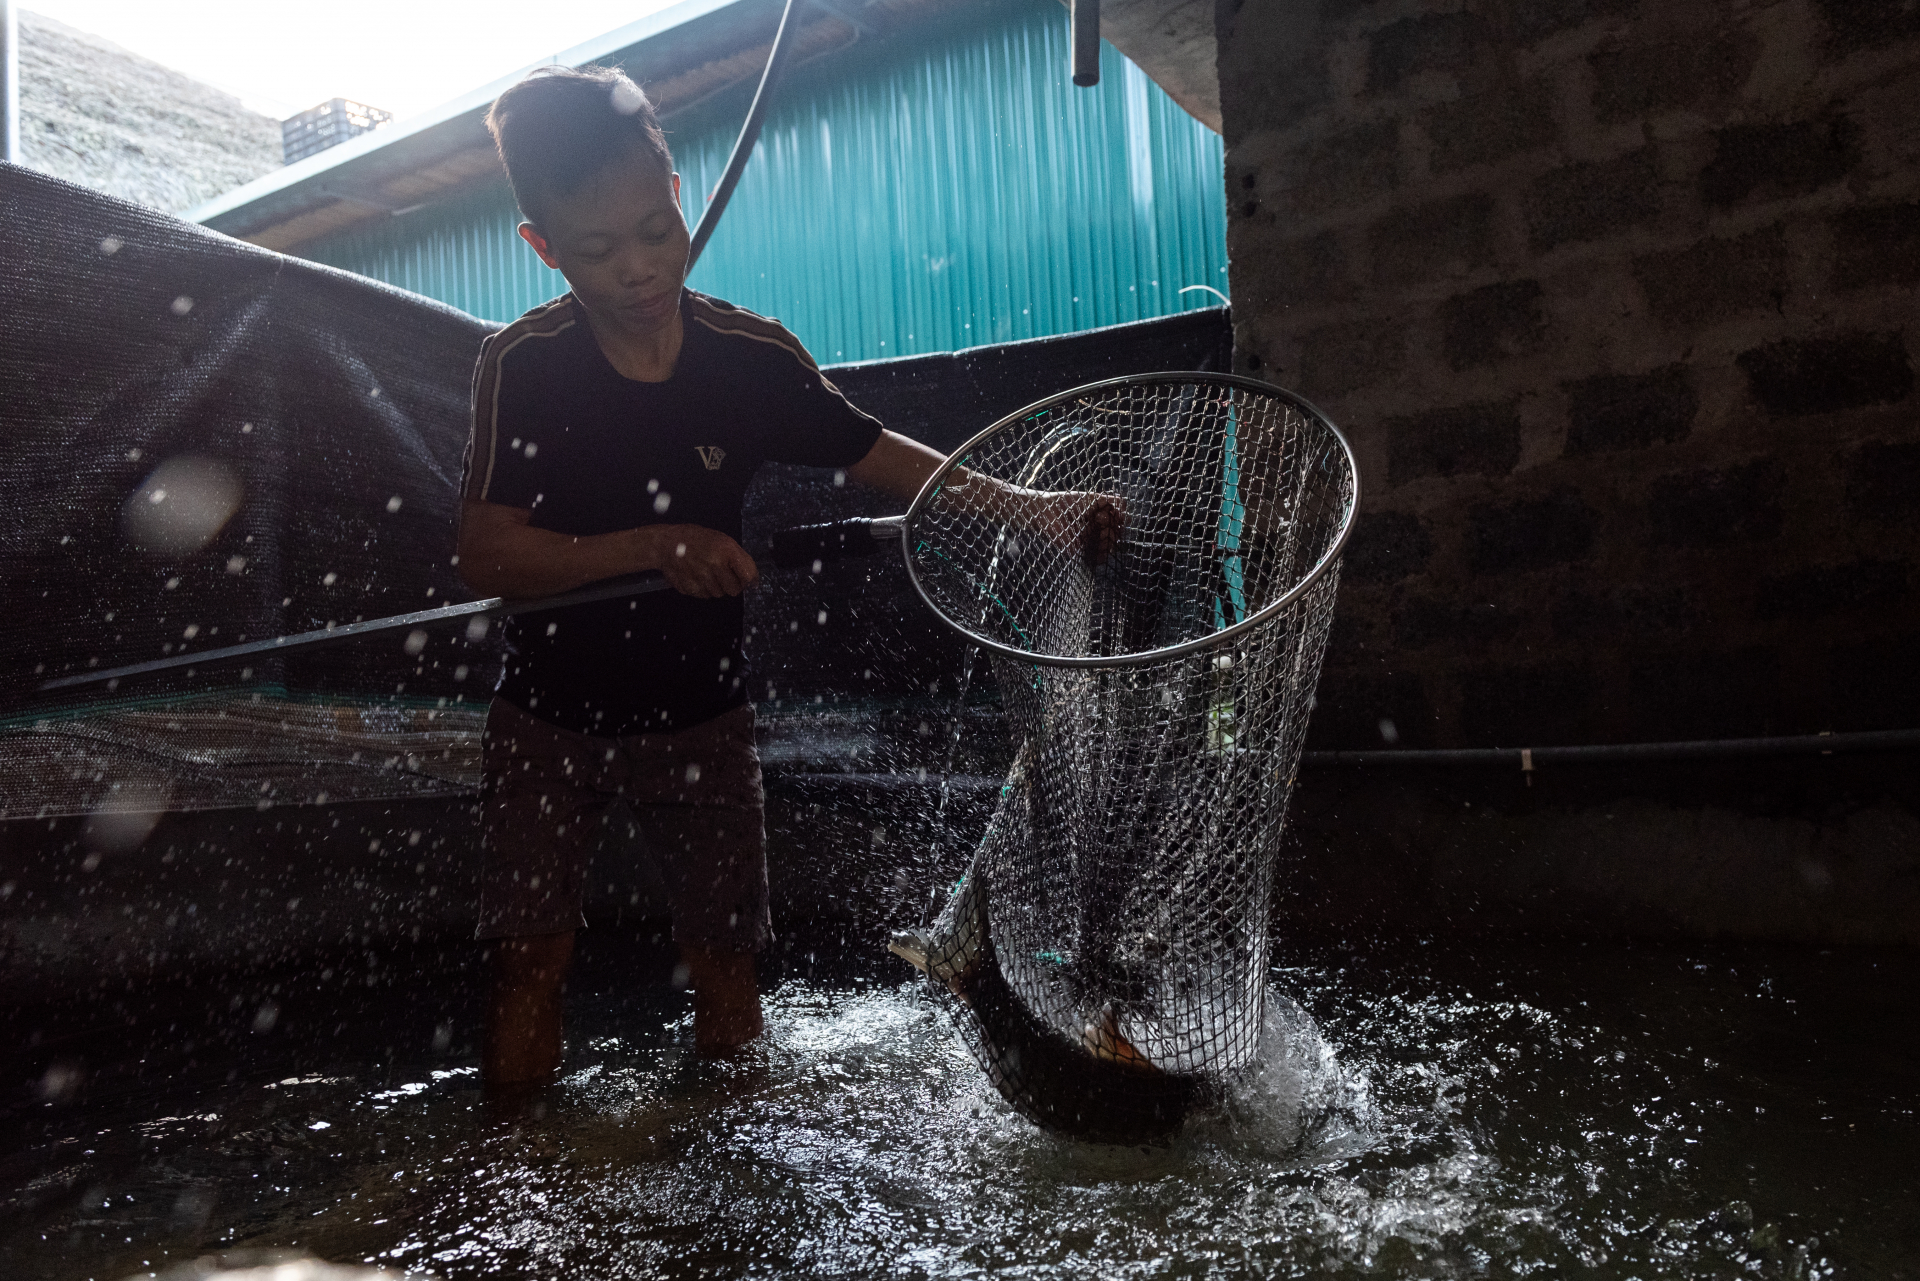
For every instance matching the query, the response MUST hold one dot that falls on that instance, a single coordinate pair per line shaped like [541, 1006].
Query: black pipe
[1526, 759]
[749, 132]
[1520, 760]
[1086, 43]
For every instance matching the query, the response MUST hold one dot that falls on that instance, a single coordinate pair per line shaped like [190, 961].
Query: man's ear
[531, 234]
[676, 190]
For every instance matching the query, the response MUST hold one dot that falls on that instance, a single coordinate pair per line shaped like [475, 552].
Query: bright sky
[283, 56]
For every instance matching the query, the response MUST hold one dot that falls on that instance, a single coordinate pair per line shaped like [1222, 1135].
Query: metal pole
[1086, 43]
[749, 132]
[613, 589]
[1523, 759]
[9, 83]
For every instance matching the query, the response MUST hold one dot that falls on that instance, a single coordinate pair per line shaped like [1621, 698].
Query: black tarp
[144, 354]
[326, 410]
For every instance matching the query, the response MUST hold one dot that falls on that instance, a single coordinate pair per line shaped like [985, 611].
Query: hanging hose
[749, 132]
[1086, 43]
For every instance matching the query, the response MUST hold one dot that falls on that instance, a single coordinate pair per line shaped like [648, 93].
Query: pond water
[1420, 1110]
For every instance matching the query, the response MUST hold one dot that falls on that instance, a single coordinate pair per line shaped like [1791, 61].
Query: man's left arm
[899, 465]
[818, 427]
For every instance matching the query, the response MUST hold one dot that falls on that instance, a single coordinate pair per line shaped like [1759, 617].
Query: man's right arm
[501, 554]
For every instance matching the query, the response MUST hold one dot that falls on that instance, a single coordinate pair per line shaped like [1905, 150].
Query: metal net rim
[1165, 653]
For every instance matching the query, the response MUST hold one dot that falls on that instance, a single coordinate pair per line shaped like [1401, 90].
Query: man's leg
[523, 1010]
[697, 796]
[726, 998]
[542, 809]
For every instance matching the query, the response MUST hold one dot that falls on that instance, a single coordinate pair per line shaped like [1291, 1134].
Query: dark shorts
[695, 795]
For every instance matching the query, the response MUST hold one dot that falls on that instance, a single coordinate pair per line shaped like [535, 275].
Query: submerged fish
[1097, 1087]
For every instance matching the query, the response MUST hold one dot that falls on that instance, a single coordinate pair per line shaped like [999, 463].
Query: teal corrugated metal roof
[938, 190]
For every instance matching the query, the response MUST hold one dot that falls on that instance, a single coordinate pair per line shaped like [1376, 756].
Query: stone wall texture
[1617, 301]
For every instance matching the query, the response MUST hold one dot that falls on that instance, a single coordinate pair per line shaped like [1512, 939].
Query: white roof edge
[599, 47]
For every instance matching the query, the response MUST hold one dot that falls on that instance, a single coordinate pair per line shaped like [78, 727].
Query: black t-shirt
[557, 429]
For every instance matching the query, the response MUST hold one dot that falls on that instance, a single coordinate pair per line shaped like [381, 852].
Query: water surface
[1419, 1110]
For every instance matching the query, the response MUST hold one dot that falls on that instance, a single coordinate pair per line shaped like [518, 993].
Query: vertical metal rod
[9, 83]
[749, 132]
[1086, 43]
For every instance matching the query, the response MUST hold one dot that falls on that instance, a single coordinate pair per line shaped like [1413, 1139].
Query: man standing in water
[615, 431]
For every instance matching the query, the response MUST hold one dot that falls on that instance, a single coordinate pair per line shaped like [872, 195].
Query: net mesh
[1108, 945]
[227, 751]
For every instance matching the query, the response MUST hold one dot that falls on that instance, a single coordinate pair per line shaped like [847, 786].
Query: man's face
[621, 242]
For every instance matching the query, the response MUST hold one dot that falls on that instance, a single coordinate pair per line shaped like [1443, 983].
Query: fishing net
[1150, 564]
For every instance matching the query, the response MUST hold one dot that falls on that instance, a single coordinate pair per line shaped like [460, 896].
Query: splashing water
[1414, 1115]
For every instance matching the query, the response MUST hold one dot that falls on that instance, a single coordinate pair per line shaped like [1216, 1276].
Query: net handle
[933, 484]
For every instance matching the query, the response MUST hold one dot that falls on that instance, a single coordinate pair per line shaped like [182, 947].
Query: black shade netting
[209, 443]
[1109, 943]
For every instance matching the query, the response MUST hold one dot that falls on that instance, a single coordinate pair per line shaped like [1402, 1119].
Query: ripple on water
[1451, 1130]
[861, 1138]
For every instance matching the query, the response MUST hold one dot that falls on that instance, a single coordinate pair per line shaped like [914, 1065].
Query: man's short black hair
[561, 126]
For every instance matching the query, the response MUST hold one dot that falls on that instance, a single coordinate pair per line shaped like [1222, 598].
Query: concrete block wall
[1617, 301]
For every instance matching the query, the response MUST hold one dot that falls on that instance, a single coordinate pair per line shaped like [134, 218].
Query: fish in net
[1105, 953]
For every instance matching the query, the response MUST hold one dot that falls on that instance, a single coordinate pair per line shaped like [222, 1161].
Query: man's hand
[701, 562]
[501, 554]
[1104, 523]
[1080, 520]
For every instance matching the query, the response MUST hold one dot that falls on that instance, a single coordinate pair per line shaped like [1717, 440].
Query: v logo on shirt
[711, 455]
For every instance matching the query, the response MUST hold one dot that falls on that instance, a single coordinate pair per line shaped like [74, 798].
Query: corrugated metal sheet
[936, 191]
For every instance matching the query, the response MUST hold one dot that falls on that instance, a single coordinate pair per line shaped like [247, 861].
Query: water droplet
[182, 505]
[626, 96]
